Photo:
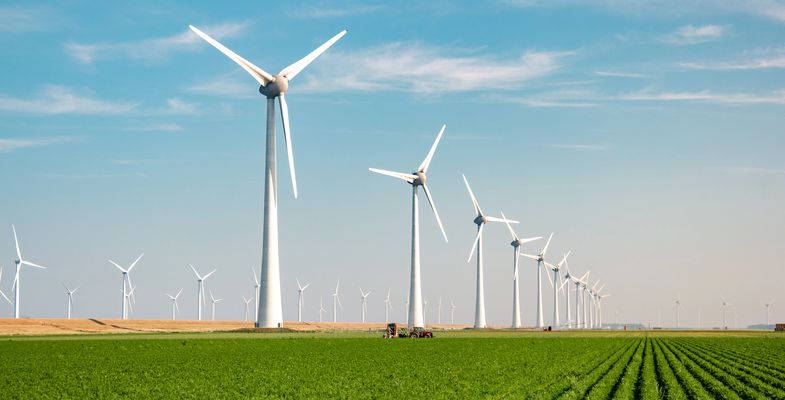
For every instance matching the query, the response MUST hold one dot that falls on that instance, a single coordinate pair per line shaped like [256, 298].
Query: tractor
[393, 330]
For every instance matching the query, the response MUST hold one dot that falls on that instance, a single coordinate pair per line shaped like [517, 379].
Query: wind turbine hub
[515, 243]
[17, 261]
[278, 85]
[420, 180]
[481, 219]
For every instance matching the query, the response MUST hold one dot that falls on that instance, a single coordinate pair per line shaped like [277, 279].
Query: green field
[453, 365]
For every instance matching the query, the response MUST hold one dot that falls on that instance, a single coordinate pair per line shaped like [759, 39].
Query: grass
[466, 364]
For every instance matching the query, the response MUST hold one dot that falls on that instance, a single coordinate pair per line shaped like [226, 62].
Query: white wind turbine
[127, 285]
[127, 300]
[452, 312]
[256, 291]
[213, 300]
[175, 307]
[272, 86]
[17, 280]
[591, 305]
[336, 302]
[481, 219]
[200, 296]
[540, 258]
[767, 305]
[724, 321]
[416, 179]
[300, 299]
[599, 308]
[584, 289]
[516, 245]
[387, 307]
[678, 305]
[579, 282]
[364, 306]
[555, 283]
[439, 319]
[568, 278]
[247, 307]
[321, 309]
[70, 294]
[1, 292]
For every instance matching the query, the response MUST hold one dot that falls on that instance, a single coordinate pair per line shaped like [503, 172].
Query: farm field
[464, 364]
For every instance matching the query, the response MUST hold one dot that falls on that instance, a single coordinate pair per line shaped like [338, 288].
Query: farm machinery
[394, 330]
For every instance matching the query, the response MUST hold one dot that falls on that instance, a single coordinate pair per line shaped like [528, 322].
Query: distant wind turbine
[214, 300]
[678, 305]
[387, 307]
[127, 284]
[480, 220]
[300, 299]
[247, 307]
[364, 306]
[417, 179]
[272, 87]
[175, 307]
[256, 292]
[70, 294]
[516, 246]
[555, 282]
[452, 312]
[336, 302]
[200, 296]
[17, 280]
[321, 309]
[767, 305]
[1, 292]
[540, 258]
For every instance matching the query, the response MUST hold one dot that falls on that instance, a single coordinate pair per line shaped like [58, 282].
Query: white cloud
[9, 145]
[234, 85]
[334, 12]
[419, 68]
[177, 106]
[690, 34]
[54, 99]
[18, 19]
[769, 59]
[708, 96]
[618, 74]
[155, 49]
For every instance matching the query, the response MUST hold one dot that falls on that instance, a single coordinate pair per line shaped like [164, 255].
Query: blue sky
[647, 135]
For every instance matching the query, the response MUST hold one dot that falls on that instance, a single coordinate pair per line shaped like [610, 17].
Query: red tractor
[393, 331]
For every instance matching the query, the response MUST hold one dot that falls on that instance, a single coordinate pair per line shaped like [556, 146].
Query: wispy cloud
[9, 145]
[160, 127]
[21, 19]
[347, 10]
[577, 147]
[566, 98]
[619, 74]
[772, 9]
[178, 106]
[708, 96]
[419, 68]
[690, 34]
[765, 59]
[55, 99]
[154, 49]
[233, 85]
[747, 170]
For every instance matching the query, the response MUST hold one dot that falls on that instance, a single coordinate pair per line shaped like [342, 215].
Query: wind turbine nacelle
[275, 87]
[420, 180]
[481, 219]
[17, 261]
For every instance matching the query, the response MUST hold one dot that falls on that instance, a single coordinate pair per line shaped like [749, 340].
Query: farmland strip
[763, 372]
[691, 386]
[591, 379]
[735, 376]
[710, 382]
[666, 377]
[647, 387]
[625, 382]
[751, 358]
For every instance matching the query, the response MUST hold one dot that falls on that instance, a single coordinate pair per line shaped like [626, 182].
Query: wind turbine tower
[364, 305]
[336, 302]
[70, 294]
[300, 299]
[175, 307]
[540, 258]
[17, 280]
[126, 284]
[272, 86]
[516, 246]
[200, 297]
[214, 300]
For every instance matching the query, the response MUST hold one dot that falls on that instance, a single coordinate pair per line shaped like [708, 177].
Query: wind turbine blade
[514, 236]
[77, 288]
[195, 273]
[527, 240]
[66, 287]
[287, 136]
[336, 287]
[339, 301]
[547, 273]
[427, 161]
[298, 284]
[292, 70]
[257, 73]
[5, 297]
[208, 275]
[131, 293]
[494, 219]
[535, 258]
[471, 194]
[476, 240]
[176, 307]
[118, 267]
[563, 282]
[25, 262]
[435, 213]
[400, 175]
[306, 286]
[548, 243]
[134, 263]
[178, 293]
[255, 279]
[16, 242]
[563, 260]
[16, 279]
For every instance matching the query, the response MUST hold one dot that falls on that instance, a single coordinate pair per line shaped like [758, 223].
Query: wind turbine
[175, 307]
[214, 300]
[300, 299]
[599, 308]
[516, 246]
[387, 307]
[579, 283]
[200, 297]
[767, 305]
[439, 319]
[272, 86]
[127, 284]
[417, 179]
[336, 302]
[256, 291]
[128, 296]
[321, 309]
[452, 312]
[425, 314]
[540, 258]
[247, 302]
[364, 307]
[70, 294]
[17, 280]
[677, 303]
[481, 219]
[556, 277]
[1, 292]
[724, 304]
[567, 279]
[592, 310]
